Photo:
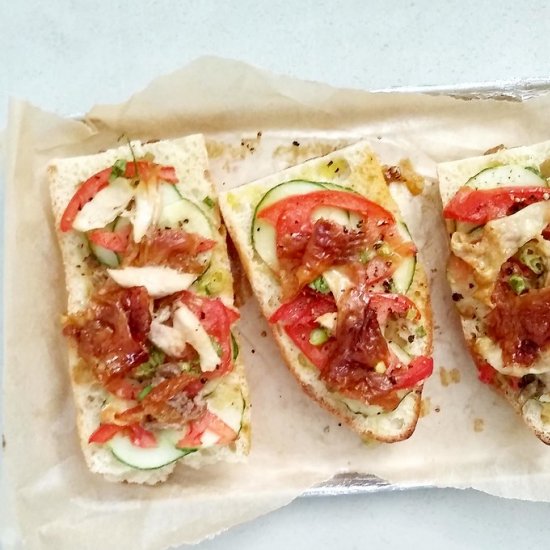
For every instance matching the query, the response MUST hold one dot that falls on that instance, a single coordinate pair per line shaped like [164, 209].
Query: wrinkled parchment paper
[468, 436]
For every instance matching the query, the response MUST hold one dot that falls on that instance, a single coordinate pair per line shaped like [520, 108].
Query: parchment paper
[469, 437]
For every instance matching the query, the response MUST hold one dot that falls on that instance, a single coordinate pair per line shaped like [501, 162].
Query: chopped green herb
[535, 170]
[318, 336]
[320, 285]
[118, 170]
[531, 259]
[209, 202]
[420, 331]
[144, 392]
[156, 358]
[366, 256]
[517, 284]
[133, 157]
[235, 347]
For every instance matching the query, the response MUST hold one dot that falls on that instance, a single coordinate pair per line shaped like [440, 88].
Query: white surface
[67, 55]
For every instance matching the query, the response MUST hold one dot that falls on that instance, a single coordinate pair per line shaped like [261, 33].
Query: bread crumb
[478, 424]
[495, 149]
[404, 173]
[455, 375]
[425, 406]
[448, 377]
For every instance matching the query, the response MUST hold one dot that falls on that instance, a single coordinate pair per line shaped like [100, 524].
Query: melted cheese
[500, 240]
[491, 352]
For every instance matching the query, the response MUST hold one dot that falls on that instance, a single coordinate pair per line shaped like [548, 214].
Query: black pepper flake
[330, 163]
[203, 380]
[252, 350]
[410, 338]
[339, 423]
[437, 409]
[471, 285]
[387, 286]
[457, 297]
[296, 143]
[337, 170]
[264, 333]
[259, 134]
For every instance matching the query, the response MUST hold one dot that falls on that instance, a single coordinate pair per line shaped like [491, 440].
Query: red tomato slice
[418, 370]
[210, 422]
[216, 319]
[298, 319]
[85, 193]
[140, 437]
[482, 206]
[105, 432]
[89, 189]
[301, 207]
[117, 241]
[147, 170]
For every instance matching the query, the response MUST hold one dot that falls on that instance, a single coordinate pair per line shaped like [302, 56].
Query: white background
[67, 55]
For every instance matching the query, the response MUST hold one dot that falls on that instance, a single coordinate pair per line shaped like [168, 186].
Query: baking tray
[509, 90]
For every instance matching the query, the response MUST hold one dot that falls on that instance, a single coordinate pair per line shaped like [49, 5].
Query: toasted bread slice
[354, 169]
[189, 158]
[526, 387]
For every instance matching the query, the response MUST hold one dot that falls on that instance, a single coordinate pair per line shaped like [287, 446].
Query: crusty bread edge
[114, 470]
[290, 353]
[448, 172]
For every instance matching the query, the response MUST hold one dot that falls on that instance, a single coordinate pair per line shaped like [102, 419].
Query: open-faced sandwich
[498, 219]
[153, 358]
[336, 274]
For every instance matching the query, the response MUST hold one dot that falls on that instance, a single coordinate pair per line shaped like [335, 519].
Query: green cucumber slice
[263, 235]
[104, 255]
[186, 215]
[169, 194]
[403, 276]
[121, 223]
[151, 458]
[336, 187]
[509, 175]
